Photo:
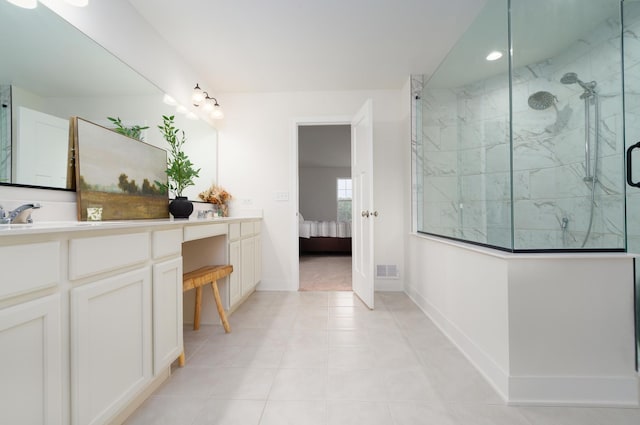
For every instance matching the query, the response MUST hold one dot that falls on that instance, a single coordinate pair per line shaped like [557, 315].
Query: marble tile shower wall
[466, 162]
[632, 114]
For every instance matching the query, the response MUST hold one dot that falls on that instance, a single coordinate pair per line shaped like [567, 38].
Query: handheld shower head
[572, 78]
[569, 78]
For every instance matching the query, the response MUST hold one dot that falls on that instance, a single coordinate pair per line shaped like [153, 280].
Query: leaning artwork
[117, 176]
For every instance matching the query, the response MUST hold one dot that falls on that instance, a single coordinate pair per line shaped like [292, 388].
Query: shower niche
[526, 152]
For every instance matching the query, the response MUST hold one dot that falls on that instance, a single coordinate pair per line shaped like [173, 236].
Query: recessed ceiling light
[495, 55]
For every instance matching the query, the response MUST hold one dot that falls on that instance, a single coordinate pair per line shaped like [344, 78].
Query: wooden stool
[196, 280]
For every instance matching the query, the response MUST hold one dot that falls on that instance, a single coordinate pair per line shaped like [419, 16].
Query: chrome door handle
[375, 213]
[365, 214]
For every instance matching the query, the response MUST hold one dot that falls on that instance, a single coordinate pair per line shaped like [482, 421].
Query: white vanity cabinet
[167, 297]
[31, 347]
[31, 363]
[111, 331]
[93, 321]
[110, 345]
[246, 258]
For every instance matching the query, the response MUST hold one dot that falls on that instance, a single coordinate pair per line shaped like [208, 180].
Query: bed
[325, 237]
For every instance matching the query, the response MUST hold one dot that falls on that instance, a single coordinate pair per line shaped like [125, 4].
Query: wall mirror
[50, 72]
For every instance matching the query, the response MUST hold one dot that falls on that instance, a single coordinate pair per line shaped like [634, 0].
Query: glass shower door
[631, 46]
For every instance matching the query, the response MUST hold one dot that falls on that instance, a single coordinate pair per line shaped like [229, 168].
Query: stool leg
[181, 360]
[223, 317]
[196, 314]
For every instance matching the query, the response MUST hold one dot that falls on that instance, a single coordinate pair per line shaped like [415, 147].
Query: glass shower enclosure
[524, 152]
[526, 136]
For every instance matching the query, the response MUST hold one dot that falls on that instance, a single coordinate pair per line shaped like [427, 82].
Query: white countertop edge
[44, 227]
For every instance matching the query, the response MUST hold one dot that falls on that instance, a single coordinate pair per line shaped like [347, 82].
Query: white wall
[257, 158]
[318, 196]
[543, 329]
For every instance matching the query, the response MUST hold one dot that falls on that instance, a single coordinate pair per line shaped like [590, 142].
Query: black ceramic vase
[181, 207]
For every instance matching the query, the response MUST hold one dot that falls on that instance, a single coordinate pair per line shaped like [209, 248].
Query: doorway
[324, 207]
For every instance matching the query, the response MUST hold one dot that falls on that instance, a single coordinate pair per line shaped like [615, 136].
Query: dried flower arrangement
[215, 195]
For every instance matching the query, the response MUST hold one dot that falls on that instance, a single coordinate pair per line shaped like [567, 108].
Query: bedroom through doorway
[324, 199]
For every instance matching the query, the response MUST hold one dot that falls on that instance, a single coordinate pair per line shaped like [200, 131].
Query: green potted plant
[180, 170]
[134, 131]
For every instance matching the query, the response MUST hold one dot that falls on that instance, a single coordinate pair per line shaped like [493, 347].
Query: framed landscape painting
[117, 177]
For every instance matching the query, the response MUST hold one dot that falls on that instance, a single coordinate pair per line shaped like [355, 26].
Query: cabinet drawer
[246, 228]
[166, 242]
[29, 267]
[204, 231]
[100, 254]
[234, 231]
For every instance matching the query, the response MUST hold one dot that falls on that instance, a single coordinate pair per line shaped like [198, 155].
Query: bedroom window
[344, 200]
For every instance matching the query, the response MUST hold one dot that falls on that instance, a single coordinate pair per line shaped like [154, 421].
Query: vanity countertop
[42, 227]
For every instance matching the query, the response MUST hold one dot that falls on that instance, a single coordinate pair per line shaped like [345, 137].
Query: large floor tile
[486, 414]
[357, 384]
[241, 383]
[287, 412]
[299, 384]
[230, 412]
[324, 359]
[345, 412]
[304, 358]
[167, 410]
[418, 413]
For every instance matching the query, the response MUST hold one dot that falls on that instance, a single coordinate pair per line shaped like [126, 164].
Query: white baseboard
[613, 391]
[493, 373]
[601, 391]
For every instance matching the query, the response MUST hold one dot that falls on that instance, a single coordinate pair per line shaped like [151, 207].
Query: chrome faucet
[22, 214]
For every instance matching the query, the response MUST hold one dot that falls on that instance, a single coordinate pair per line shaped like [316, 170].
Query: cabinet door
[257, 259]
[31, 363]
[167, 313]
[247, 266]
[235, 282]
[110, 344]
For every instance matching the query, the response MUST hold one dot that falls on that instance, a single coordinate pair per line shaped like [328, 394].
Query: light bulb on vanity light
[198, 95]
[217, 113]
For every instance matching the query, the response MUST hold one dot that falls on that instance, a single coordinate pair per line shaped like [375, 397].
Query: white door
[42, 149]
[362, 203]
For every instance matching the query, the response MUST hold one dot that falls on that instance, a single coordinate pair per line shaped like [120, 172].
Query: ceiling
[301, 45]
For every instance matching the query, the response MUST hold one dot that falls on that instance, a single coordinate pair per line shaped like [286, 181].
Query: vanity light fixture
[32, 4]
[208, 103]
[494, 55]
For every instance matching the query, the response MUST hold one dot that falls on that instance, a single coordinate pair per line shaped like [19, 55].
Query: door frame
[294, 179]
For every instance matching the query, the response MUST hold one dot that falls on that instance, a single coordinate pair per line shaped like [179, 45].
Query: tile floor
[321, 358]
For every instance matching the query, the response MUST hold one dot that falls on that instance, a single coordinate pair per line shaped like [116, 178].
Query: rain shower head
[542, 100]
